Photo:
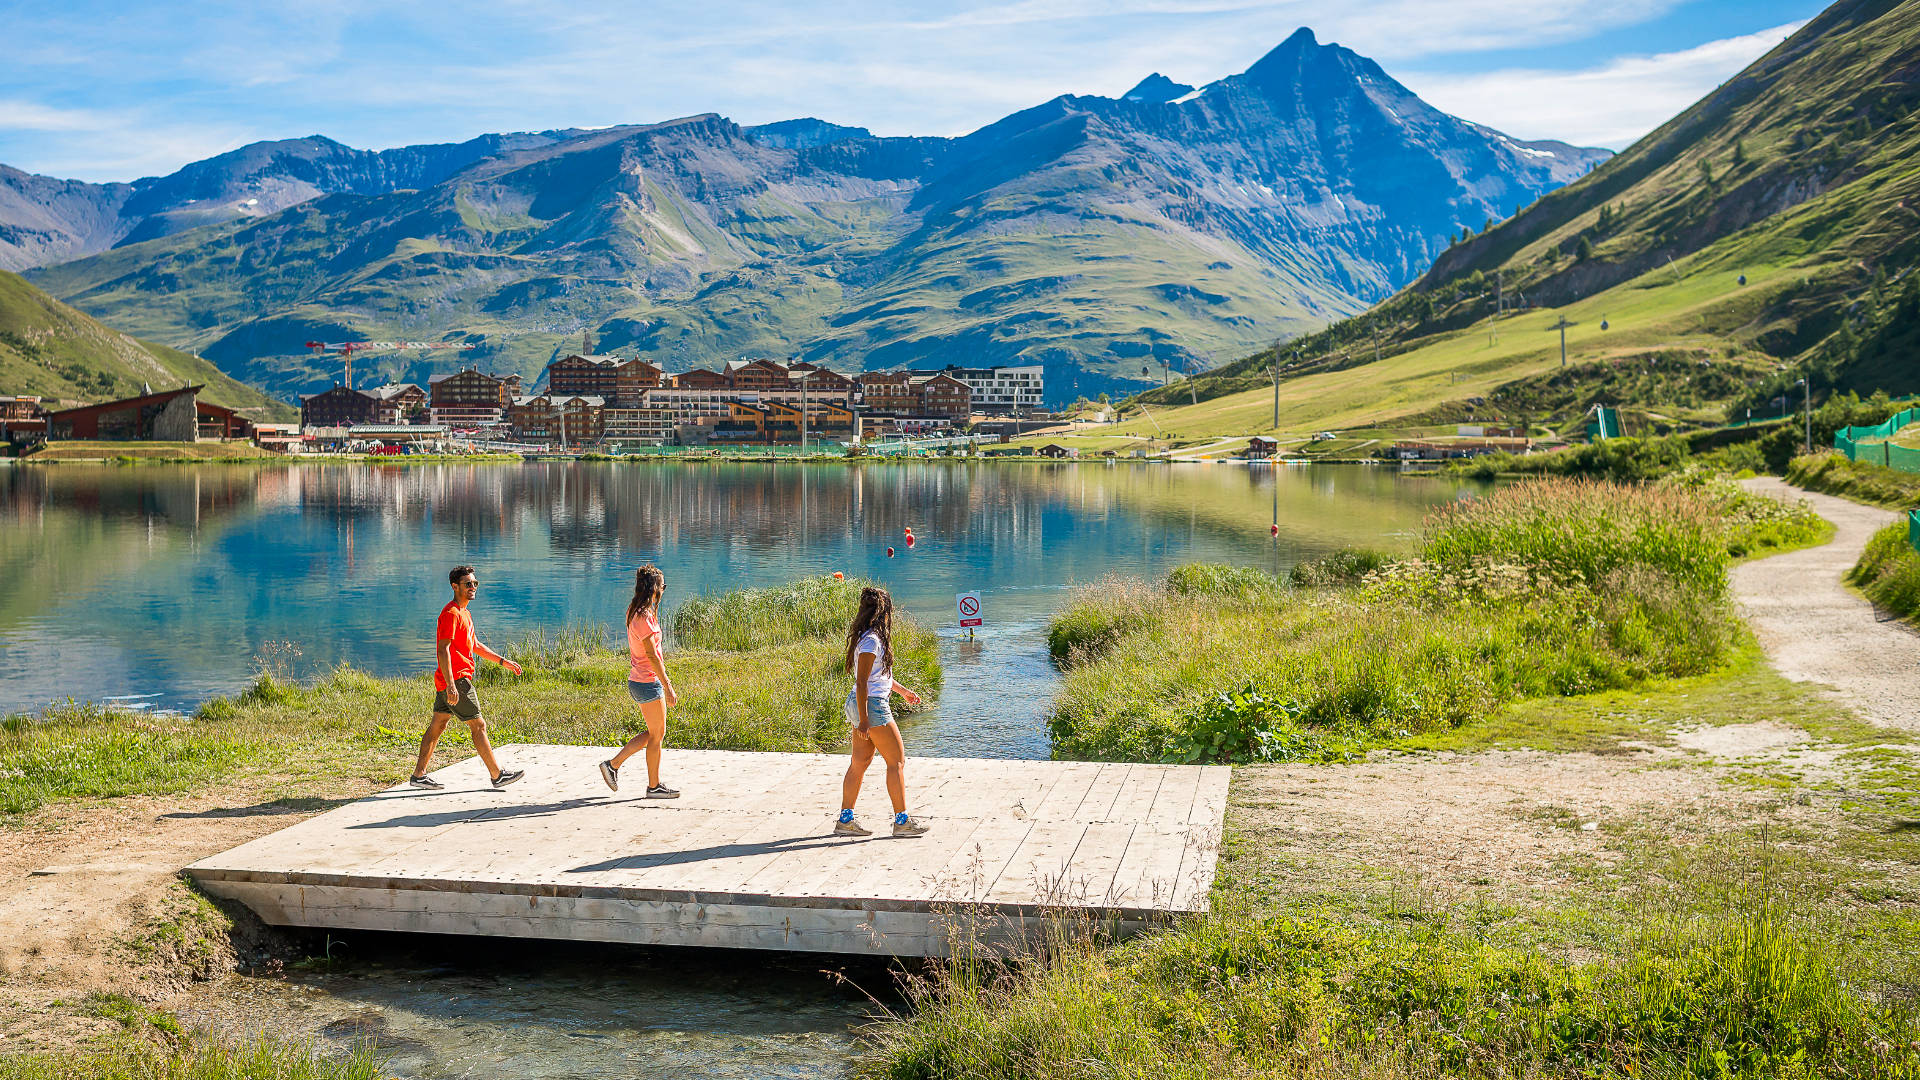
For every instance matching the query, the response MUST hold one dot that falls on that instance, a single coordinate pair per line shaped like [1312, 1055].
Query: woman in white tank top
[870, 712]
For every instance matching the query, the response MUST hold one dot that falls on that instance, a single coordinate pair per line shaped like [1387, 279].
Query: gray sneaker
[909, 827]
[662, 791]
[850, 828]
[508, 776]
[427, 782]
[610, 774]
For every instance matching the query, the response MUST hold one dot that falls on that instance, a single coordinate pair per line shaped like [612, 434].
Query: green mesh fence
[1913, 529]
[1873, 444]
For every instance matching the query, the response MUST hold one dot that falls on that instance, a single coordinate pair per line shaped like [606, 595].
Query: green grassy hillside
[1769, 231]
[51, 350]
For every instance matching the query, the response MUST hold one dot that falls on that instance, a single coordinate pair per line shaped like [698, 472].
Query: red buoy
[909, 539]
[1273, 530]
[889, 553]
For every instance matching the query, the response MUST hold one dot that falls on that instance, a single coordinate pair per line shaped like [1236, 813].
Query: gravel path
[1815, 629]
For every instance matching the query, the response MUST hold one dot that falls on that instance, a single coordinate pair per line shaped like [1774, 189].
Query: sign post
[968, 604]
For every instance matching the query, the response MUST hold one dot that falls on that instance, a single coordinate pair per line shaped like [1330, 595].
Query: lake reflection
[168, 581]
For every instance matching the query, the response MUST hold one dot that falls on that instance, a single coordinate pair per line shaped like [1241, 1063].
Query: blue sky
[116, 90]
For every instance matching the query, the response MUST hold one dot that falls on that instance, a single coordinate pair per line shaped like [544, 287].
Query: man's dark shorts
[469, 706]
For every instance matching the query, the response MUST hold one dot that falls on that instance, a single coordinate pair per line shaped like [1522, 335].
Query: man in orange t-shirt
[456, 646]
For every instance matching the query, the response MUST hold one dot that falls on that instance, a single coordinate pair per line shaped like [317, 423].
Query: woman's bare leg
[886, 741]
[856, 768]
[650, 740]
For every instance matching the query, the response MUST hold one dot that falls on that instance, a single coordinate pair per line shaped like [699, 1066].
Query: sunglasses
[469, 583]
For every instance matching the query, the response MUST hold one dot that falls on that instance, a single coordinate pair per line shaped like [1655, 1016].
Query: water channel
[163, 586]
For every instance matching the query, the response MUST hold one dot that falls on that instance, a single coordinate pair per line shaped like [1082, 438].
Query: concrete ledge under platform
[746, 857]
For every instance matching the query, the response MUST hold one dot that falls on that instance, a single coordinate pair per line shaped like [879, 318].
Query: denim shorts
[645, 692]
[879, 710]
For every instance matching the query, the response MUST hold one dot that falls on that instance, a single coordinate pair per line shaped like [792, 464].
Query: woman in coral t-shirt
[647, 683]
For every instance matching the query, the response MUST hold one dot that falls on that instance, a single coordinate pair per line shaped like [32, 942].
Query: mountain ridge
[1097, 236]
[1772, 222]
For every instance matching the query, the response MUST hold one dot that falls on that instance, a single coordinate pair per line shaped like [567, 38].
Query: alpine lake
[159, 587]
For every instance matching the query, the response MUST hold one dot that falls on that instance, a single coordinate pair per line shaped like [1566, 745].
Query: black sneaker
[508, 776]
[662, 791]
[611, 774]
[427, 782]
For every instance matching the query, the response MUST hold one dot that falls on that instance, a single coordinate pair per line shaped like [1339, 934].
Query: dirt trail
[85, 882]
[1814, 629]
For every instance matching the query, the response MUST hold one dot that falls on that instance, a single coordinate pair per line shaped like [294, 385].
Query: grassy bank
[1550, 588]
[1876, 485]
[1713, 974]
[777, 687]
[1889, 572]
[195, 1058]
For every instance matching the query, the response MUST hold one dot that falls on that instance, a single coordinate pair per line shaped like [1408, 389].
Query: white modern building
[1012, 389]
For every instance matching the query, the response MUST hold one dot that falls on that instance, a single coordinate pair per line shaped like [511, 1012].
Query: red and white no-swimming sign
[969, 606]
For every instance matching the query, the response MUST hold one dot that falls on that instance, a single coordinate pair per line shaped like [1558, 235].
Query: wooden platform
[746, 857]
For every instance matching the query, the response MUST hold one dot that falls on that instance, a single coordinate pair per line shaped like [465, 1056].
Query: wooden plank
[1179, 786]
[1064, 798]
[1103, 793]
[1137, 793]
[1149, 874]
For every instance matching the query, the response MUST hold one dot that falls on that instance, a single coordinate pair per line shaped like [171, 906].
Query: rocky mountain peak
[1157, 88]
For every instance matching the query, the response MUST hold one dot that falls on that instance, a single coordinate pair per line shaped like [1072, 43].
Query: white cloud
[106, 144]
[1611, 105]
[152, 81]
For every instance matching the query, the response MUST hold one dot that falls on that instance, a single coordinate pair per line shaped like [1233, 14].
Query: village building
[339, 407]
[470, 398]
[941, 394]
[1260, 448]
[399, 403]
[700, 379]
[1008, 389]
[167, 416]
[757, 375]
[218, 422]
[644, 426]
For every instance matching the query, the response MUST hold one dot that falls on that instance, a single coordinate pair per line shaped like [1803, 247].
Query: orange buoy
[838, 576]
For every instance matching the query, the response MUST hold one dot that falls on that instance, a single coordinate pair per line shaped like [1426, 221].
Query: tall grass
[1581, 532]
[1889, 572]
[744, 619]
[1545, 588]
[1745, 991]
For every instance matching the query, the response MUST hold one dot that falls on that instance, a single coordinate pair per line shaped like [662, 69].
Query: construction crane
[346, 349]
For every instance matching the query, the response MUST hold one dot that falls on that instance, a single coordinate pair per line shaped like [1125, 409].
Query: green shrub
[1621, 461]
[1830, 472]
[1889, 572]
[1097, 615]
[1221, 580]
[1348, 566]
